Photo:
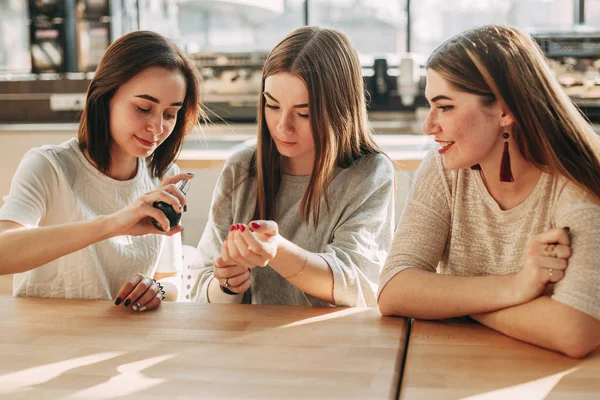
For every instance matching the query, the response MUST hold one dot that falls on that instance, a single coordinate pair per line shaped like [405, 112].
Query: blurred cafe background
[50, 48]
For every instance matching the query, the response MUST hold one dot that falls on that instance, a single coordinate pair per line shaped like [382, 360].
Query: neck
[122, 167]
[525, 174]
[301, 165]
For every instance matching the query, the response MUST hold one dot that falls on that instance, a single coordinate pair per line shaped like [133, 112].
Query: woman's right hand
[135, 219]
[231, 276]
[545, 262]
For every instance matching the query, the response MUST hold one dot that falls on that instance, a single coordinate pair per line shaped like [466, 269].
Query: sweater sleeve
[220, 219]
[32, 188]
[422, 233]
[580, 286]
[360, 241]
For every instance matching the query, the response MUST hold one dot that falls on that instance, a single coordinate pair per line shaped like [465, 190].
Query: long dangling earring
[505, 171]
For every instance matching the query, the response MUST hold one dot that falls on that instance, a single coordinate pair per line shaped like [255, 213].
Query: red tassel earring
[505, 171]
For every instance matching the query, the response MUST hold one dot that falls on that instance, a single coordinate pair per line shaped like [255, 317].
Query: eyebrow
[440, 97]
[157, 101]
[303, 105]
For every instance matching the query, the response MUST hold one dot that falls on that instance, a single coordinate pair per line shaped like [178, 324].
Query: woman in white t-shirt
[77, 222]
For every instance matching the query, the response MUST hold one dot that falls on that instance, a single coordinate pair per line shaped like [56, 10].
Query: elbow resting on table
[578, 341]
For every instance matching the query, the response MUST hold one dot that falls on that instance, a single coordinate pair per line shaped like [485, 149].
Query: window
[592, 13]
[14, 36]
[434, 21]
[223, 26]
[375, 27]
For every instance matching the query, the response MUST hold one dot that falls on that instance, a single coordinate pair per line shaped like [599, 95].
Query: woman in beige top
[519, 252]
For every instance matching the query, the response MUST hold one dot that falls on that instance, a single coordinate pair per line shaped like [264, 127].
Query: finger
[249, 257]
[553, 250]
[232, 250]
[555, 235]
[225, 256]
[177, 178]
[255, 245]
[173, 231]
[158, 215]
[228, 272]
[153, 304]
[238, 280]
[269, 228]
[168, 197]
[150, 294]
[241, 288]
[128, 287]
[174, 191]
[554, 275]
[138, 291]
[551, 262]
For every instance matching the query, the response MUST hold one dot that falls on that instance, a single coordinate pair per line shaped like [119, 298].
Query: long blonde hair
[328, 64]
[499, 62]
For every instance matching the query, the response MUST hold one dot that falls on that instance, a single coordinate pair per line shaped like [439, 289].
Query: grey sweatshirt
[353, 236]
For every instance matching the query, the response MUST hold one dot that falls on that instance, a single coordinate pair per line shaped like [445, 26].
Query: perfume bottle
[173, 216]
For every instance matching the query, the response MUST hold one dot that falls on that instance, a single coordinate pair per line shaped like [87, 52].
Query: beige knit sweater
[452, 225]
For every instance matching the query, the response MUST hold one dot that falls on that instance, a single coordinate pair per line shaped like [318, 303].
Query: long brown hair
[499, 62]
[125, 58]
[328, 64]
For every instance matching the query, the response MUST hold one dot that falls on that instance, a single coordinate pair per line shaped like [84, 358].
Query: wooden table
[76, 349]
[458, 358]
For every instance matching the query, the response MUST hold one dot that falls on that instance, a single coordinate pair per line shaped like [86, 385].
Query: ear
[506, 117]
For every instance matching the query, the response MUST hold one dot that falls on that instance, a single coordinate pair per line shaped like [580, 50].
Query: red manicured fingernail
[232, 228]
[255, 225]
[242, 228]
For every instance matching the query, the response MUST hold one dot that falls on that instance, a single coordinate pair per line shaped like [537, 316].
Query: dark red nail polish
[255, 225]
[232, 228]
[118, 301]
[127, 303]
[242, 228]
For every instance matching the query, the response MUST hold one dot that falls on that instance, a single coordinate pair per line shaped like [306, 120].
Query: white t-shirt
[56, 185]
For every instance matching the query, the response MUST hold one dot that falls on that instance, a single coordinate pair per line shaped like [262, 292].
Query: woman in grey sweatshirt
[306, 216]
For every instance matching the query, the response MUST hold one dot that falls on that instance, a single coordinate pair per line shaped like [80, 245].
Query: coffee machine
[575, 58]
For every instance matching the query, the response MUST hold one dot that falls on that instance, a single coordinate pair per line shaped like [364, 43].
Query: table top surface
[94, 349]
[458, 359]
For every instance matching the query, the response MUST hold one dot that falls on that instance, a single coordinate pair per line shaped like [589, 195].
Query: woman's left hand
[252, 246]
[142, 293]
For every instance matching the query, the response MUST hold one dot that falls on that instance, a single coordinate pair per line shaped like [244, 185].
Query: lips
[286, 143]
[445, 146]
[145, 142]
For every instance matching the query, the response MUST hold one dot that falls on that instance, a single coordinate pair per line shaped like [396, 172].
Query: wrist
[105, 227]
[512, 294]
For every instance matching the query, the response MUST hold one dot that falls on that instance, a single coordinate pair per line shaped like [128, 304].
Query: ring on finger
[550, 250]
[550, 272]
[226, 283]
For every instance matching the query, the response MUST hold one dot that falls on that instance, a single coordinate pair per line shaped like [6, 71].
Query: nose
[430, 125]
[285, 124]
[155, 125]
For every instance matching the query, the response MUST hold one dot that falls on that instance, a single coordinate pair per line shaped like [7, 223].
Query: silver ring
[227, 282]
[550, 272]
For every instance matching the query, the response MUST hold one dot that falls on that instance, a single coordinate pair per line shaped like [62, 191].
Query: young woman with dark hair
[77, 220]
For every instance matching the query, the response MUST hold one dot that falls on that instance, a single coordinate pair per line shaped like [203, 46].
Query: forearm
[547, 323]
[314, 278]
[215, 295]
[25, 249]
[426, 295]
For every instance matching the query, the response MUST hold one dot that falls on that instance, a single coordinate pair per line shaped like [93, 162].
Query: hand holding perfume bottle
[173, 216]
